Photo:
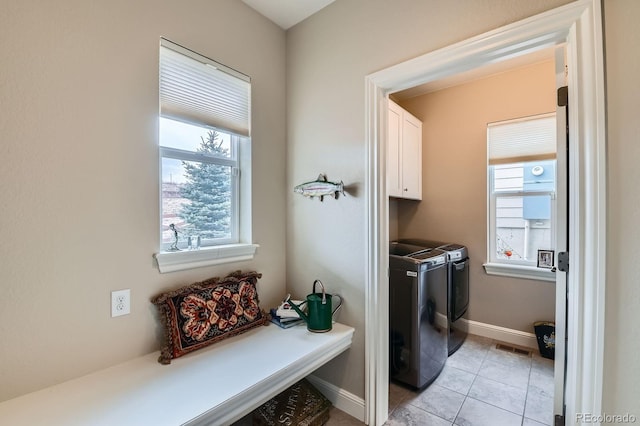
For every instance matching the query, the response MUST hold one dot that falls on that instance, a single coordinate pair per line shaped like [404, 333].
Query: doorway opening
[491, 308]
[577, 24]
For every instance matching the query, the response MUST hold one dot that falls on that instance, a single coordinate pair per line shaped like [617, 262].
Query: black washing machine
[418, 335]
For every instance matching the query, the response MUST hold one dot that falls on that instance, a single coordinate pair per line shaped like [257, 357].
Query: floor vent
[515, 350]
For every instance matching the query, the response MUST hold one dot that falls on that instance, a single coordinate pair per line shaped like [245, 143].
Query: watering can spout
[297, 309]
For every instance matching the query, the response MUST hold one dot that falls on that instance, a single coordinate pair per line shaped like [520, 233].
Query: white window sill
[171, 261]
[520, 271]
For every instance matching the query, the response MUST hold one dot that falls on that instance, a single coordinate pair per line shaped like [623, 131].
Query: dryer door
[459, 300]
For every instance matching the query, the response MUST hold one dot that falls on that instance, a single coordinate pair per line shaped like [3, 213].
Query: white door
[562, 227]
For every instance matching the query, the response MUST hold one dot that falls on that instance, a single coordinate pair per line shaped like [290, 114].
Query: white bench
[213, 386]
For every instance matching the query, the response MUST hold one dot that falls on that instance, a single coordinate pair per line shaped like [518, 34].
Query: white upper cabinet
[404, 158]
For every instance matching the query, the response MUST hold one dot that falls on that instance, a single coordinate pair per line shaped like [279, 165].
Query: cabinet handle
[406, 190]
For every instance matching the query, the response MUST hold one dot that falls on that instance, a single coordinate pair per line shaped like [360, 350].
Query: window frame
[238, 247]
[202, 158]
[493, 224]
[515, 268]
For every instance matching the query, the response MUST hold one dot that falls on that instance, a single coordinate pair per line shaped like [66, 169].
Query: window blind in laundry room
[521, 140]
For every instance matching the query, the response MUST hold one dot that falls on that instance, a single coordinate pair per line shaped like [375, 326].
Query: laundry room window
[204, 144]
[521, 194]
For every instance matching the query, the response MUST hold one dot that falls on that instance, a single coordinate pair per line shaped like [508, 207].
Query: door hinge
[563, 96]
[563, 261]
[559, 420]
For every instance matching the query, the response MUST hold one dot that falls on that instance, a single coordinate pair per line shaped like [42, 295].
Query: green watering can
[319, 306]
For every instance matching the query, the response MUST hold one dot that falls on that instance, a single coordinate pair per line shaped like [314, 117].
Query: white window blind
[521, 140]
[199, 90]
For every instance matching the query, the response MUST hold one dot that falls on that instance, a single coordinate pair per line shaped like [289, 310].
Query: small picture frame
[545, 259]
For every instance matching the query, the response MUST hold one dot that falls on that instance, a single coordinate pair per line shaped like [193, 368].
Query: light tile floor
[480, 385]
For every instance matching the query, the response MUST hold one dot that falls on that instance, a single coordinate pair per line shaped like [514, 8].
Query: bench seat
[213, 386]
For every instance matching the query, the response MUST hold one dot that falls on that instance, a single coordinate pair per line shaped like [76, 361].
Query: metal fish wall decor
[319, 188]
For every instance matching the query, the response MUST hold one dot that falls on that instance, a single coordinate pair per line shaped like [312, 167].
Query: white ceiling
[287, 13]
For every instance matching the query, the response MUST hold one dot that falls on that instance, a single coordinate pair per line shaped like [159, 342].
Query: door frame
[578, 25]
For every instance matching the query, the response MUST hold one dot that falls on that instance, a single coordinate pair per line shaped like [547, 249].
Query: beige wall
[622, 335]
[454, 204]
[78, 182]
[78, 90]
[328, 57]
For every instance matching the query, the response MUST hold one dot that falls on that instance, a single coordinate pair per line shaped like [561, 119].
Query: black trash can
[546, 335]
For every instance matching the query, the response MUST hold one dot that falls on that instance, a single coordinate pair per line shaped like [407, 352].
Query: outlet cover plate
[120, 302]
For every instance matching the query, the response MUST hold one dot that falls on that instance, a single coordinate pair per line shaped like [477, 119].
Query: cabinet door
[394, 165]
[411, 157]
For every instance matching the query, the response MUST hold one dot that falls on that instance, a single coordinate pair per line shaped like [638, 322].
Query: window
[199, 185]
[204, 138]
[521, 193]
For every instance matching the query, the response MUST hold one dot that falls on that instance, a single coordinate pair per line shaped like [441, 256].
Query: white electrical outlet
[120, 302]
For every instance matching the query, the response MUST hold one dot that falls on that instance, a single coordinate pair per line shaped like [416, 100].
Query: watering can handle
[324, 295]
[339, 304]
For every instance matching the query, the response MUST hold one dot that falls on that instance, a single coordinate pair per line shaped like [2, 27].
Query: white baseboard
[507, 335]
[355, 406]
[340, 398]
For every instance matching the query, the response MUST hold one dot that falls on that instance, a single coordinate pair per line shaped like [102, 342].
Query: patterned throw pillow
[206, 312]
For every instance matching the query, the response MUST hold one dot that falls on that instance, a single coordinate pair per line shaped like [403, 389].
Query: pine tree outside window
[198, 185]
[204, 143]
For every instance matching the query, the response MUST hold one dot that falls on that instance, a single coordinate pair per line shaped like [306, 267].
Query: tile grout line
[475, 376]
[526, 396]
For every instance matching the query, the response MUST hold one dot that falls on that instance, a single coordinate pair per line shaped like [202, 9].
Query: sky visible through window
[196, 195]
[176, 134]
